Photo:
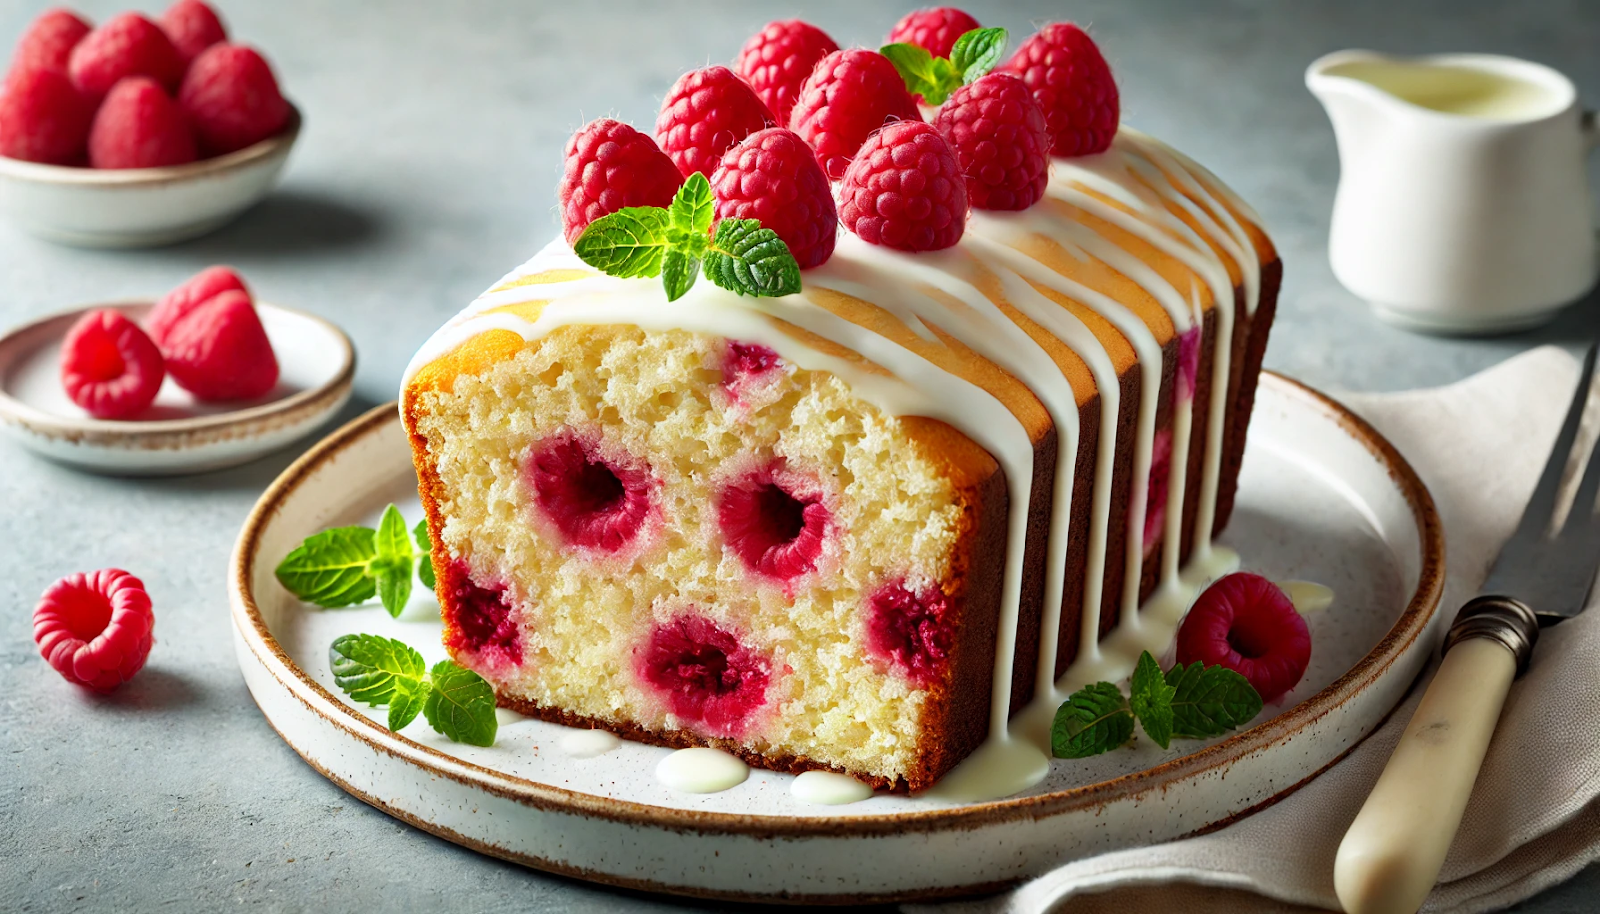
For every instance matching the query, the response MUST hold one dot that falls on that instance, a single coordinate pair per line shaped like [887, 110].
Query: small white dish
[142, 207]
[177, 434]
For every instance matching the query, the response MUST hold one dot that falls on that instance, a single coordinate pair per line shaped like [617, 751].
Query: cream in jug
[1463, 204]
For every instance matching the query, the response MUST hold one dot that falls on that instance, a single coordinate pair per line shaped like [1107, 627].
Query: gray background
[433, 144]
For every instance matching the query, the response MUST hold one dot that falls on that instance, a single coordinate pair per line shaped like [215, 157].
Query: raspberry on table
[777, 60]
[773, 177]
[125, 45]
[193, 26]
[109, 367]
[139, 126]
[999, 135]
[935, 28]
[706, 112]
[1073, 84]
[95, 628]
[194, 292]
[905, 190]
[1249, 625]
[849, 95]
[232, 98]
[43, 117]
[220, 351]
[49, 40]
[610, 165]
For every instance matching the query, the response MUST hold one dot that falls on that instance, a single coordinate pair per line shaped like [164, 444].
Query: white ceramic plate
[142, 207]
[177, 434]
[1322, 498]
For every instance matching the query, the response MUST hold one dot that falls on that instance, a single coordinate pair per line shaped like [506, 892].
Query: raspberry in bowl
[204, 378]
[138, 131]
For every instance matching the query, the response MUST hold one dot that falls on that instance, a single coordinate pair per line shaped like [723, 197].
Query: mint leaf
[678, 273]
[394, 584]
[1210, 701]
[977, 52]
[369, 668]
[629, 242]
[425, 563]
[1150, 700]
[407, 701]
[393, 541]
[329, 569]
[751, 260]
[915, 64]
[693, 207]
[1093, 720]
[461, 705]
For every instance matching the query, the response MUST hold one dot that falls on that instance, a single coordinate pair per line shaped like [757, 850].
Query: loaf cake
[859, 526]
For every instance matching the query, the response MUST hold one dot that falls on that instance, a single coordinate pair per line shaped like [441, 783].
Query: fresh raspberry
[125, 45]
[232, 98]
[595, 503]
[139, 126]
[478, 619]
[95, 629]
[43, 117]
[777, 60]
[999, 136]
[1249, 625]
[707, 112]
[849, 95]
[706, 677]
[109, 367]
[220, 351]
[609, 166]
[911, 630]
[193, 26]
[49, 40]
[195, 291]
[773, 177]
[775, 522]
[905, 190]
[935, 28]
[1073, 84]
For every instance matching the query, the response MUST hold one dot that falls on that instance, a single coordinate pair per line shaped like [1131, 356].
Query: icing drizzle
[1139, 186]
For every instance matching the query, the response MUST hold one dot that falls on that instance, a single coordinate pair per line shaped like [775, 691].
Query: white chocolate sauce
[1142, 178]
[701, 771]
[588, 743]
[827, 788]
[1307, 597]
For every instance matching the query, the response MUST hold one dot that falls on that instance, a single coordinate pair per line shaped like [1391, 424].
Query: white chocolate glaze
[588, 743]
[826, 788]
[701, 771]
[1134, 186]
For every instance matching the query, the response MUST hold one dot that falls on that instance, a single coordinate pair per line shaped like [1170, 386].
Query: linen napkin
[1534, 816]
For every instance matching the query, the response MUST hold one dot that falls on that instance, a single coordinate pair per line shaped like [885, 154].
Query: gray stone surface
[433, 142]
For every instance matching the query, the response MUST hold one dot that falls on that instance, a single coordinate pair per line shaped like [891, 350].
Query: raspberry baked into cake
[963, 385]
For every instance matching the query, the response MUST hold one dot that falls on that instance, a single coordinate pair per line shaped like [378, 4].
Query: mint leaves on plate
[677, 243]
[934, 78]
[1189, 702]
[380, 671]
[349, 565]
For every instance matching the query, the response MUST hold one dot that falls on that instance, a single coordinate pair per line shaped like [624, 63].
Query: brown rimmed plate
[1323, 497]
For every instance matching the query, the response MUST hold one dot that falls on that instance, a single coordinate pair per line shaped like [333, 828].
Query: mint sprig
[380, 671]
[1190, 702]
[974, 54]
[677, 243]
[345, 566]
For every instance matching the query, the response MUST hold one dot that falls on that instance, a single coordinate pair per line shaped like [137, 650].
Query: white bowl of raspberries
[137, 131]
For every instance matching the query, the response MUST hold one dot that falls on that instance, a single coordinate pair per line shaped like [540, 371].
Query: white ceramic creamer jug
[1463, 204]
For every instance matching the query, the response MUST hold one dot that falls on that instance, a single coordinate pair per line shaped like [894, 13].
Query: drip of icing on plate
[701, 771]
[588, 743]
[1138, 187]
[827, 788]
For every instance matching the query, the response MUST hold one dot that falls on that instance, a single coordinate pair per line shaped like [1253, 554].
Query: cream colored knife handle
[1392, 854]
